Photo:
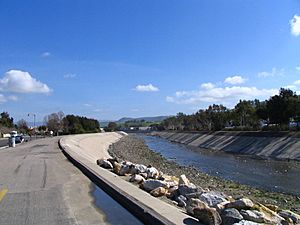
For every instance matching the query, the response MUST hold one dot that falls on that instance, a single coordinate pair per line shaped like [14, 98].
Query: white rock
[151, 184]
[137, 179]
[212, 198]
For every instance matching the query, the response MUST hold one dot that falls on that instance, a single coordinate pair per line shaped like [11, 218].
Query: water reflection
[281, 176]
[114, 212]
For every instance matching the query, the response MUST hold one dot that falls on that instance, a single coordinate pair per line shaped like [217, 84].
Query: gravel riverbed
[133, 148]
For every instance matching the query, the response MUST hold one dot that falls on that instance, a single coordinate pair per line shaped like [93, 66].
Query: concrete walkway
[85, 149]
[39, 186]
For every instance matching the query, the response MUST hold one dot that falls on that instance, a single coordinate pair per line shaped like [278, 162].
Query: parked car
[19, 139]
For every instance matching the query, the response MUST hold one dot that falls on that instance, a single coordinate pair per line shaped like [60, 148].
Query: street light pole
[34, 115]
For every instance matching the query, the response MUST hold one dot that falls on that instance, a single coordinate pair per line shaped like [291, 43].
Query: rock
[187, 189]
[104, 163]
[181, 201]
[138, 168]
[171, 179]
[150, 185]
[207, 216]
[212, 198]
[158, 192]
[243, 203]
[172, 191]
[112, 160]
[246, 222]
[193, 203]
[145, 175]
[221, 206]
[183, 180]
[253, 215]
[125, 169]
[286, 214]
[269, 215]
[272, 207]
[195, 194]
[152, 173]
[137, 179]
[231, 216]
[117, 167]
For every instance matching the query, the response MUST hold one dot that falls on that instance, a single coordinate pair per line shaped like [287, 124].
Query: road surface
[38, 185]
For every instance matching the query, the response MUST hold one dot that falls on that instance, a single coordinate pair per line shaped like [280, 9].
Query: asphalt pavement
[39, 186]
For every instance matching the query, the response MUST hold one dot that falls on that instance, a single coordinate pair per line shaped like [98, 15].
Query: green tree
[6, 120]
[112, 126]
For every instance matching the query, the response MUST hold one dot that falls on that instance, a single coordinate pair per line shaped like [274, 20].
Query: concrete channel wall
[84, 150]
[262, 144]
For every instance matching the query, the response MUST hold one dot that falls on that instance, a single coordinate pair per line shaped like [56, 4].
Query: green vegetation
[274, 114]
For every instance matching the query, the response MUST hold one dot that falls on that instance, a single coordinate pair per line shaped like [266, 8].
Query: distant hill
[147, 119]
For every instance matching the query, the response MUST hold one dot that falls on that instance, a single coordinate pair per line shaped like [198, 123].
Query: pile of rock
[209, 207]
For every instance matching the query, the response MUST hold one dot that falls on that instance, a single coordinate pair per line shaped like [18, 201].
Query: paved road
[39, 186]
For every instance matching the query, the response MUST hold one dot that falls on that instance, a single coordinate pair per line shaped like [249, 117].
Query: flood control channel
[274, 175]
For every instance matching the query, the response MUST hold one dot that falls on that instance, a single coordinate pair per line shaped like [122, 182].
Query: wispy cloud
[87, 105]
[235, 80]
[22, 82]
[297, 82]
[295, 25]
[45, 54]
[274, 72]
[70, 75]
[207, 86]
[220, 95]
[98, 110]
[298, 68]
[146, 88]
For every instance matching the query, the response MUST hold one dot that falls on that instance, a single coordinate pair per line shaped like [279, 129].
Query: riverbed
[268, 174]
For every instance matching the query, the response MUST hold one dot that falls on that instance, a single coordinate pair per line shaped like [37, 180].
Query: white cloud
[273, 73]
[69, 75]
[220, 95]
[298, 68]
[22, 82]
[297, 82]
[207, 86]
[87, 105]
[295, 25]
[235, 80]
[98, 110]
[144, 88]
[13, 98]
[45, 54]
[2, 98]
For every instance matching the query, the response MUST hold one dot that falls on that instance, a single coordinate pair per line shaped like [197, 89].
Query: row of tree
[71, 124]
[276, 112]
[56, 122]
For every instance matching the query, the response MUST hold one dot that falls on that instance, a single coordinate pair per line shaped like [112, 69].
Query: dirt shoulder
[134, 149]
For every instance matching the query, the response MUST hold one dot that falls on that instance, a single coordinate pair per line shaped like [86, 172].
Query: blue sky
[109, 59]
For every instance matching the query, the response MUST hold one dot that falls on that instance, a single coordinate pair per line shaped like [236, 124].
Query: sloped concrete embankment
[262, 144]
[84, 150]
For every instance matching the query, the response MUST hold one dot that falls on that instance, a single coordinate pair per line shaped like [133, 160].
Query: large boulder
[104, 164]
[181, 200]
[136, 178]
[253, 215]
[246, 222]
[183, 180]
[231, 216]
[243, 203]
[138, 168]
[194, 203]
[117, 168]
[151, 184]
[187, 189]
[212, 198]
[207, 216]
[158, 192]
[152, 172]
[286, 214]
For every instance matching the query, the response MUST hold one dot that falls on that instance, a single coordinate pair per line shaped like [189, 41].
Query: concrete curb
[143, 212]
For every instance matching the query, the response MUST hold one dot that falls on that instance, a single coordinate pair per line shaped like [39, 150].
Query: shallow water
[115, 214]
[274, 175]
